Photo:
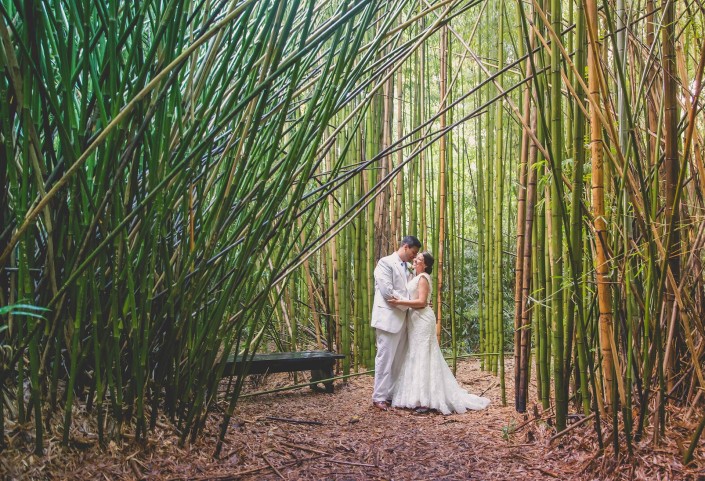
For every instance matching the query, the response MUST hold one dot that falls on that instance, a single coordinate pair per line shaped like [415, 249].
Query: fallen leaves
[304, 435]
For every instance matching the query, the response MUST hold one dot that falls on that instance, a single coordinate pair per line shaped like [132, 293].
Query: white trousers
[391, 349]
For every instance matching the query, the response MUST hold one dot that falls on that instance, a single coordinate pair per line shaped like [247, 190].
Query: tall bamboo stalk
[604, 294]
[442, 182]
[498, 302]
[576, 304]
[556, 221]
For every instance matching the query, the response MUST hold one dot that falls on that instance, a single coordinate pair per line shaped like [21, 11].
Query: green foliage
[508, 430]
[175, 150]
[22, 309]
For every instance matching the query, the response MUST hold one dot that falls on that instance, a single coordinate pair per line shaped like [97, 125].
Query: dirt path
[341, 436]
[364, 443]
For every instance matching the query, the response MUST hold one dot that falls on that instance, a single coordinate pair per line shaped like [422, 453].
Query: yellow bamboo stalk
[598, 204]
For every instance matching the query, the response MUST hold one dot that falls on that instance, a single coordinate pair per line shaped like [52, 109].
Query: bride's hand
[393, 301]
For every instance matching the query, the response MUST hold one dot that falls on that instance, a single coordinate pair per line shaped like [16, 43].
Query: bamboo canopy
[183, 181]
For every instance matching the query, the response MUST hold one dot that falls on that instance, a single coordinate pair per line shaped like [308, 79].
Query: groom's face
[410, 253]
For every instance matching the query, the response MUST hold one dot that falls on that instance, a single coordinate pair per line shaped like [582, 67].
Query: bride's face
[419, 264]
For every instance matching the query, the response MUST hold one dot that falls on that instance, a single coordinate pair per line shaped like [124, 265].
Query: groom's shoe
[381, 405]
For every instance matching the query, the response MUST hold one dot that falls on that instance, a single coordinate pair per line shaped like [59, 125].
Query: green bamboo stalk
[575, 306]
[490, 272]
[481, 243]
[556, 220]
[498, 303]
[440, 240]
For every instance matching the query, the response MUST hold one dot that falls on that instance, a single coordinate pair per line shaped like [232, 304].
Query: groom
[391, 276]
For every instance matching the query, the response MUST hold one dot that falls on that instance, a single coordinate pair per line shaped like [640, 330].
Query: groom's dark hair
[410, 241]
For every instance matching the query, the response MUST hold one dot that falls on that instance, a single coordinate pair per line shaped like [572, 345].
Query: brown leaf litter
[302, 435]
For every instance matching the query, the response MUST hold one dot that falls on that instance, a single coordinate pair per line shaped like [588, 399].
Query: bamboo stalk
[442, 182]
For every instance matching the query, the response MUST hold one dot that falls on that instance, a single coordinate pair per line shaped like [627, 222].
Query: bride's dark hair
[428, 260]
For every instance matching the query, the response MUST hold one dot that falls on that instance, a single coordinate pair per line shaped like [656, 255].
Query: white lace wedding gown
[425, 379]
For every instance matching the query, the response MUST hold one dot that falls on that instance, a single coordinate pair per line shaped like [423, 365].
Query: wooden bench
[320, 363]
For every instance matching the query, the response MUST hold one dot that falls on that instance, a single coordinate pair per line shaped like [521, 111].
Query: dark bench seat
[320, 363]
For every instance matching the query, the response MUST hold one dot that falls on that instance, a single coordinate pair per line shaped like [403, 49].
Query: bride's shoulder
[426, 276]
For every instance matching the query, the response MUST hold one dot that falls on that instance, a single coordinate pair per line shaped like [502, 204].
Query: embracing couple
[410, 371]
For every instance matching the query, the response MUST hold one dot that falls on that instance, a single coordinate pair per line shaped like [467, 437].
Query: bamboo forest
[198, 197]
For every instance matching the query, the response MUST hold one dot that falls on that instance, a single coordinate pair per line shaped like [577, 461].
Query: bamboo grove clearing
[185, 180]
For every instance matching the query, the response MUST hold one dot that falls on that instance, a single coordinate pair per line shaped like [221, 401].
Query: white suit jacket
[390, 281]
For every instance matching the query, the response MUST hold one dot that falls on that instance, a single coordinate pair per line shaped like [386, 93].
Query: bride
[425, 381]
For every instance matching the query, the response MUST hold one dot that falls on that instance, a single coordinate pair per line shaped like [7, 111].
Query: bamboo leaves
[161, 184]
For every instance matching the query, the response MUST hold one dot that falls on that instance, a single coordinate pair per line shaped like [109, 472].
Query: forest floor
[305, 435]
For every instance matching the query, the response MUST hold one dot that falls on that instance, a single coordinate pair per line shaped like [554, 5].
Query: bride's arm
[420, 301]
